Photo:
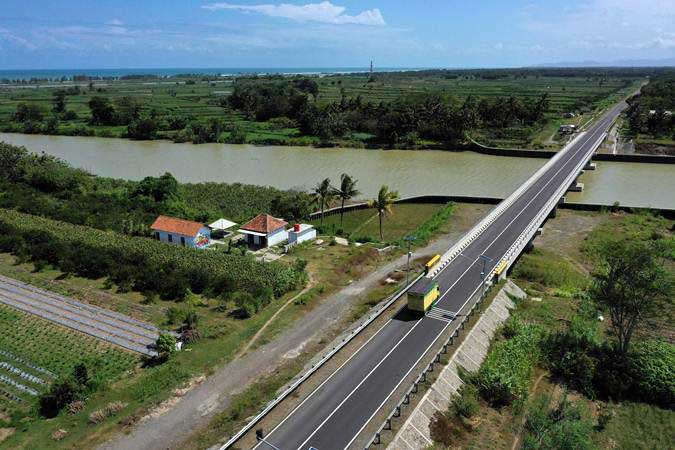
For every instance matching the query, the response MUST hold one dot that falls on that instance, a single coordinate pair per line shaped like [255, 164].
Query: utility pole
[409, 240]
[485, 260]
[371, 69]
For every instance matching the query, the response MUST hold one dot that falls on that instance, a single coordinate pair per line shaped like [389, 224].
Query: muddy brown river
[411, 173]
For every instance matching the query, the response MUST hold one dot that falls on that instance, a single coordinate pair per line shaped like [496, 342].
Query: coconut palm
[323, 193]
[385, 198]
[346, 192]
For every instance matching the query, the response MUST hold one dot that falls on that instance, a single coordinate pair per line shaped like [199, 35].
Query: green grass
[404, 219]
[547, 270]
[638, 426]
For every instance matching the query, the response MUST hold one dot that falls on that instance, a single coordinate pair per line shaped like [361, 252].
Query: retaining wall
[414, 434]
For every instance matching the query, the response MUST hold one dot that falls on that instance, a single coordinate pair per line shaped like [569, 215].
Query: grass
[363, 225]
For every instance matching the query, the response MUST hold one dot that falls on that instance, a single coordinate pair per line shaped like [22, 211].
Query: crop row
[148, 265]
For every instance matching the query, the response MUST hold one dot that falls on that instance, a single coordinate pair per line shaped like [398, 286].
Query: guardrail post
[415, 387]
[387, 424]
[438, 357]
[406, 399]
[377, 439]
[424, 377]
[397, 411]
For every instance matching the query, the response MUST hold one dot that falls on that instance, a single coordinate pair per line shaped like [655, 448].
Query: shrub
[504, 377]
[166, 345]
[652, 365]
[97, 416]
[564, 427]
[466, 403]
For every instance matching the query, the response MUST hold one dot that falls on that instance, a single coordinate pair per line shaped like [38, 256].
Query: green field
[47, 351]
[198, 100]
[363, 225]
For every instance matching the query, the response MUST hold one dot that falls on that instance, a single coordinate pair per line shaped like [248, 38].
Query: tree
[159, 189]
[143, 128]
[59, 101]
[165, 345]
[324, 193]
[346, 192]
[28, 112]
[102, 111]
[385, 198]
[632, 284]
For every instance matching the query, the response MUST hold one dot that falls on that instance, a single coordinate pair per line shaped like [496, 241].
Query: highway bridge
[336, 413]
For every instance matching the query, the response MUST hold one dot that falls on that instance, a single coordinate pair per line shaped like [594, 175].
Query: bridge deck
[333, 415]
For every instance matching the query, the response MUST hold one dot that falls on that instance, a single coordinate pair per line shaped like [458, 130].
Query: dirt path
[262, 329]
[198, 406]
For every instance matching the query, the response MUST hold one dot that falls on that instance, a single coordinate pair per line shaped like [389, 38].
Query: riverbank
[411, 173]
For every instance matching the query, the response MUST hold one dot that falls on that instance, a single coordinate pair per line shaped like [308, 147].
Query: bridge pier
[590, 166]
[553, 213]
[529, 247]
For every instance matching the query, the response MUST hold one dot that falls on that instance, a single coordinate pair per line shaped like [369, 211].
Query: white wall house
[181, 232]
[264, 231]
[301, 232]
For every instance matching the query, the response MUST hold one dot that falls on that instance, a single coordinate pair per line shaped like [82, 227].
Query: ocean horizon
[168, 72]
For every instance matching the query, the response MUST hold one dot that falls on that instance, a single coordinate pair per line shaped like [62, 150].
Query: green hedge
[652, 364]
[504, 377]
[141, 263]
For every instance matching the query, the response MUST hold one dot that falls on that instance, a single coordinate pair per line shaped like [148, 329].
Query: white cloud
[12, 38]
[324, 12]
[115, 22]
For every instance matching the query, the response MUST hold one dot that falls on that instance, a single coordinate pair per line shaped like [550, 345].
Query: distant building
[301, 232]
[264, 231]
[181, 232]
[567, 129]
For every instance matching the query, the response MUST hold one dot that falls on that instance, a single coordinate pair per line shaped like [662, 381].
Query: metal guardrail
[456, 249]
[478, 299]
[325, 358]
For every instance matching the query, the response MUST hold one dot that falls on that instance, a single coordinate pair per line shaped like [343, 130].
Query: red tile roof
[177, 226]
[264, 223]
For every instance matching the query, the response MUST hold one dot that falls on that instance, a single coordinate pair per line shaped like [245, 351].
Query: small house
[301, 232]
[181, 232]
[569, 115]
[264, 231]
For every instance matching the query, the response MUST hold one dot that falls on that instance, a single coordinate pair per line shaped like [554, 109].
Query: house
[181, 232]
[566, 129]
[569, 115]
[264, 231]
[301, 232]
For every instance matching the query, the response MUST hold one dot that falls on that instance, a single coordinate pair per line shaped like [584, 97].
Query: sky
[85, 34]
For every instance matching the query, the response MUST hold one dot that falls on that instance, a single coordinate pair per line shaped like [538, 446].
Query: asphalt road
[333, 415]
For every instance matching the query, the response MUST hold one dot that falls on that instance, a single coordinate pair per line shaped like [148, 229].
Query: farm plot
[109, 326]
[34, 352]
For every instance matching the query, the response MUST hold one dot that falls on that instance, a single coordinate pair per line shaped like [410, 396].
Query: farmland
[44, 350]
[199, 109]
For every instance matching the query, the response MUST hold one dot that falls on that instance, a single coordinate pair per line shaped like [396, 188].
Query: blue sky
[61, 34]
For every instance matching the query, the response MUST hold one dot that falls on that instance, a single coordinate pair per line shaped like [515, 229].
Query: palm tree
[347, 191]
[383, 203]
[324, 193]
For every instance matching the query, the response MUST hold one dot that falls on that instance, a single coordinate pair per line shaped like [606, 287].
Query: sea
[168, 72]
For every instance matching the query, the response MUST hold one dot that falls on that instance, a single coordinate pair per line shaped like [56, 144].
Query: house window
[170, 237]
[182, 241]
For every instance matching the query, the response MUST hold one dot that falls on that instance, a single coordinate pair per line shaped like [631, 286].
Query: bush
[504, 377]
[652, 366]
[564, 427]
[166, 345]
[571, 354]
[466, 404]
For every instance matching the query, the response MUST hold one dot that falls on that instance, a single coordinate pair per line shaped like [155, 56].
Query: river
[411, 173]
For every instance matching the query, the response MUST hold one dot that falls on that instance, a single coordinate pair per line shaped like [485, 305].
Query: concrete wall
[277, 237]
[176, 238]
[414, 434]
[302, 236]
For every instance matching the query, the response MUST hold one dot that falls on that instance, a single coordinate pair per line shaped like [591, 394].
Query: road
[333, 416]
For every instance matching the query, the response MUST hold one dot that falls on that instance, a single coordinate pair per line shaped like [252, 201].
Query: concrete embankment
[414, 434]
[524, 153]
[442, 199]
